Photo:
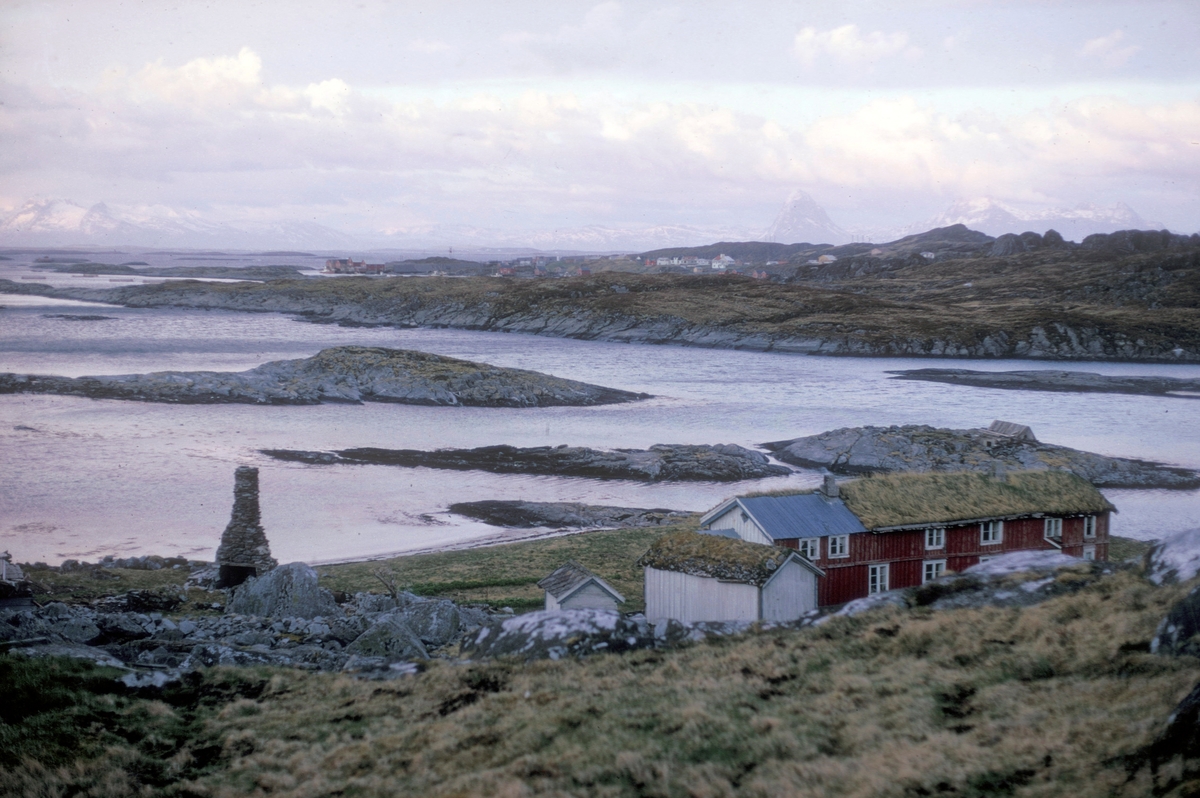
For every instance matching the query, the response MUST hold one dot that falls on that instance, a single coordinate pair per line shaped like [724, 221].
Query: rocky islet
[660, 463]
[864, 450]
[346, 374]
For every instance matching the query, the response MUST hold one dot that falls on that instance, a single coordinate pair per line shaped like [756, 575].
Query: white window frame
[991, 533]
[1089, 552]
[839, 544]
[1052, 528]
[877, 578]
[935, 538]
[810, 549]
[1089, 527]
[932, 569]
[987, 557]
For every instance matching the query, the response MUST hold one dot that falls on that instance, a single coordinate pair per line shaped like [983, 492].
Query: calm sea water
[82, 478]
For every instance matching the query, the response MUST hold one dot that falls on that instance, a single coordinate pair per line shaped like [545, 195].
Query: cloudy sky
[389, 116]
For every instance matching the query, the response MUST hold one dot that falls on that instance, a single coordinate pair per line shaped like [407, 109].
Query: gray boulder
[560, 634]
[289, 591]
[435, 622]
[389, 637]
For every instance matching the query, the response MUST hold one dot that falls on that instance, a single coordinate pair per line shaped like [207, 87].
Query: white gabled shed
[694, 577]
[573, 587]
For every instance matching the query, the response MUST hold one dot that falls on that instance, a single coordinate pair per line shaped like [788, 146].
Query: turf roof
[932, 498]
[711, 555]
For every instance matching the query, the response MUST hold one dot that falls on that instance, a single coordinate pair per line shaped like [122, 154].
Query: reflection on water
[83, 478]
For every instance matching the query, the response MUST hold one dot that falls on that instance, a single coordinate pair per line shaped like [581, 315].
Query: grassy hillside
[507, 575]
[1052, 700]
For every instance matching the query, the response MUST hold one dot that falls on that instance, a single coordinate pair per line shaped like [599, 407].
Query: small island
[663, 462]
[1058, 381]
[345, 374]
[1003, 445]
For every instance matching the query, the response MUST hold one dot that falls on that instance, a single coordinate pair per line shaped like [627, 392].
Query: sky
[388, 117]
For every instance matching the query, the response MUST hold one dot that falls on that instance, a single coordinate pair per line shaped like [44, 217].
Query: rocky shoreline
[525, 515]
[864, 450]
[822, 321]
[1057, 381]
[660, 463]
[345, 374]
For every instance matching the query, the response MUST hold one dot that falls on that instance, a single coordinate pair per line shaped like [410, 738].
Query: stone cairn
[244, 551]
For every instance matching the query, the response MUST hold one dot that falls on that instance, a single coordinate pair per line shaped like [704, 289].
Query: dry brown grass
[1044, 701]
[1056, 699]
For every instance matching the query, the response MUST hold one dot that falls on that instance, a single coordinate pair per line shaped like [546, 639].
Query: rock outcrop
[660, 463]
[345, 374]
[1057, 381]
[244, 551]
[564, 514]
[288, 591]
[863, 450]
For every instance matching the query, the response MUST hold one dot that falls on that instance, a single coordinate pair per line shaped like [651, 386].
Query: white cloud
[217, 135]
[848, 45]
[220, 79]
[1108, 49]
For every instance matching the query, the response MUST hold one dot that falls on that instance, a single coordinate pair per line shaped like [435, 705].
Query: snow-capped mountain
[997, 218]
[59, 222]
[802, 220]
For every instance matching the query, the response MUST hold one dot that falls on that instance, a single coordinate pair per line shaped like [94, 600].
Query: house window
[810, 549]
[986, 559]
[745, 516]
[933, 570]
[877, 579]
[839, 546]
[1089, 552]
[935, 538]
[991, 533]
[1053, 528]
[1089, 526]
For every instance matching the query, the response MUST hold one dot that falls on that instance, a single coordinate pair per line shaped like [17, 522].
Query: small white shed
[573, 587]
[694, 577]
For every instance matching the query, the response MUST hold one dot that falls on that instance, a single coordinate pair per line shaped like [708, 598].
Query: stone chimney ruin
[244, 551]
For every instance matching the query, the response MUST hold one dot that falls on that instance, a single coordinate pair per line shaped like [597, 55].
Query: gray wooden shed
[573, 587]
[704, 577]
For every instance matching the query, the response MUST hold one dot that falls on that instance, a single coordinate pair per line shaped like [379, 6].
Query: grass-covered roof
[712, 555]
[932, 498]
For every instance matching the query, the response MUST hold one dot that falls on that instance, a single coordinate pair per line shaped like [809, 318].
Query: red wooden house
[886, 532]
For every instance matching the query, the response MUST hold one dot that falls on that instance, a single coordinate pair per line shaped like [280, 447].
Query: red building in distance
[881, 533]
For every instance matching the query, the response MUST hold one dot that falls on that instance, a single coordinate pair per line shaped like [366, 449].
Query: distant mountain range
[61, 222]
[996, 218]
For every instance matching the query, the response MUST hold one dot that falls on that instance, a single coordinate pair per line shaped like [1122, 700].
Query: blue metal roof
[804, 515]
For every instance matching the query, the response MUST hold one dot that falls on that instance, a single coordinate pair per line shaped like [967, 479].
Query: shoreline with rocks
[1057, 381]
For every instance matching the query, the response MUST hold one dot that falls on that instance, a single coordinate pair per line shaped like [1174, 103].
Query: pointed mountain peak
[802, 220]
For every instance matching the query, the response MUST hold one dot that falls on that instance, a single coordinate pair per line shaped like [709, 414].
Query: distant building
[886, 532]
[351, 266]
[827, 259]
[573, 587]
[722, 262]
